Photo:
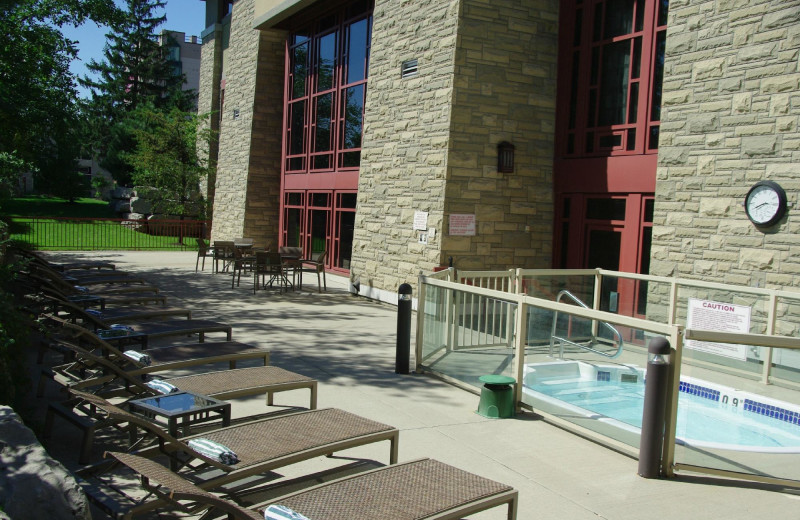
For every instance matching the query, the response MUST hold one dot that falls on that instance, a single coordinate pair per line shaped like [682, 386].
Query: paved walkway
[348, 344]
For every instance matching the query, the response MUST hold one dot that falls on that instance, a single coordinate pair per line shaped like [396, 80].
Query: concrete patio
[348, 344]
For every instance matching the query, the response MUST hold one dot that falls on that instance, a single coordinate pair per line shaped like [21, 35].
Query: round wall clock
[765, 203]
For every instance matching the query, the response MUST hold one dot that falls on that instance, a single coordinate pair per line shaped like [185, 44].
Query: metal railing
[93, 234]
[562, 341]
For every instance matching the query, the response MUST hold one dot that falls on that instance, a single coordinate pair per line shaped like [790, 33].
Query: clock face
[765, 203]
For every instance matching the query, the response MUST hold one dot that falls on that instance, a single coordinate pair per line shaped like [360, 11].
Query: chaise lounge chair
[415, 490]
[140, 333]
[260, 445]
[98, 375]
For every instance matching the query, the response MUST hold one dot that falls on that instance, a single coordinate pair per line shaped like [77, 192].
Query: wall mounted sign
[420, 220]
[462, 225]
[721, 317]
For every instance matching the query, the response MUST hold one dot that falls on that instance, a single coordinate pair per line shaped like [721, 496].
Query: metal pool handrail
[553, 337]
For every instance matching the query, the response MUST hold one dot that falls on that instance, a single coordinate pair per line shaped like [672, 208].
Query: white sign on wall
[721, 317]
[462, 225]
[420, 220]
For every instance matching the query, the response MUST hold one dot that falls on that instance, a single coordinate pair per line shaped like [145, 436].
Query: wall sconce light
[236, 113]
[505, 157]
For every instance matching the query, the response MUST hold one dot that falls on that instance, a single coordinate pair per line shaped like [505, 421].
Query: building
[401, 136]
[184, 56]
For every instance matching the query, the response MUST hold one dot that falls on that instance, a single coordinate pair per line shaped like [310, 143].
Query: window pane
[663, 10]
[658, 77]
[347, 220]
[614, 83]
[576, 38]
[357, 51]
[322, 134]
[294, 199]
[619, 18]
[347, 200]
[299, 70]
[353, 107]
[605, 209]
[326, 62]
[292, 226]
[319, 200]
[298, 124]
[634, 112]
[351, 159]
[322, 162]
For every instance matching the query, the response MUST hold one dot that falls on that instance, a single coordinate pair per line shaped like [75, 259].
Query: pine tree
[135, 72]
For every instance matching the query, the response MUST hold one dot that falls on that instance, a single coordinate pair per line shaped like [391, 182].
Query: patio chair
[414, 490]
[104, 301]
[317, 265]
[62, 266]
[268, 264]
[243, 260]
[104, 287]
[109, 316]
[260, 444]
[141, 333]
[223, 252]
[95, 374]
[203, 251]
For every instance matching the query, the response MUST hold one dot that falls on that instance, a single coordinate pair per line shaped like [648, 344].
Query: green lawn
[55, 207]
[47, 223]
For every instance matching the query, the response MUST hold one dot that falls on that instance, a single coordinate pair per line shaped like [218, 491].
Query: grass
[36, 223]
[56, 207]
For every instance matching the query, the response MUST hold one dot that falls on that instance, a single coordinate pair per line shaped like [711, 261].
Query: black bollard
[655, 402]
[403, 329]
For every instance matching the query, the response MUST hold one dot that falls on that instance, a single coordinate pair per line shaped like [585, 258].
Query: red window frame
[585, 45]
[315, 98]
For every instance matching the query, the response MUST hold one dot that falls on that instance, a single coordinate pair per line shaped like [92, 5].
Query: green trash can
[497, 397]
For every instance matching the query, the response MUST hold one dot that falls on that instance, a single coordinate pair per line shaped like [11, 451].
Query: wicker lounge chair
[110, 281]
[420, 489]
[141, 333]
[103, 301]
[63, 266]
[260, 445]
[117, 315]
[95, 374]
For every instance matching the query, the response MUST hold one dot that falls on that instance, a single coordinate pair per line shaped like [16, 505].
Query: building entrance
[610, 232]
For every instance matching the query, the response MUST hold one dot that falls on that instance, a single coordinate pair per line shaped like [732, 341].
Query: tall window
[616, 66]
[325, 91]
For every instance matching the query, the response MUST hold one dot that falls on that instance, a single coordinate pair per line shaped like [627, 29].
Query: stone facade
[247, 191]
[487, 74]
[731, 108]
[406, 141]
[208, 99]
[505, 90]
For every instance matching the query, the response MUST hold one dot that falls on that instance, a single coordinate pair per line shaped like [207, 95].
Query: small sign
[462, 225]
[420, 220]
[721, 317]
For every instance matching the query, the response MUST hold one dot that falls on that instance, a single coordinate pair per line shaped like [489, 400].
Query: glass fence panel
[549, 286]
[726, 311]
[734, 423]
[564, 379]
[470, 335]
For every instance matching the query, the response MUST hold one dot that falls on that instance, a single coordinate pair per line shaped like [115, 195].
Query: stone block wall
[487, 73]
[505, 90]
[731, 109]
[406, 141]
[208, 98]
[248, 169]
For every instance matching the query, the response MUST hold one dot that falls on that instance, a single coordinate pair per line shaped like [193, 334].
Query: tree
[38, 97]
[166, 158]
[135, 72]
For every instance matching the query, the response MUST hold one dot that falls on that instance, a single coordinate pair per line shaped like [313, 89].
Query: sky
[187, 16]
